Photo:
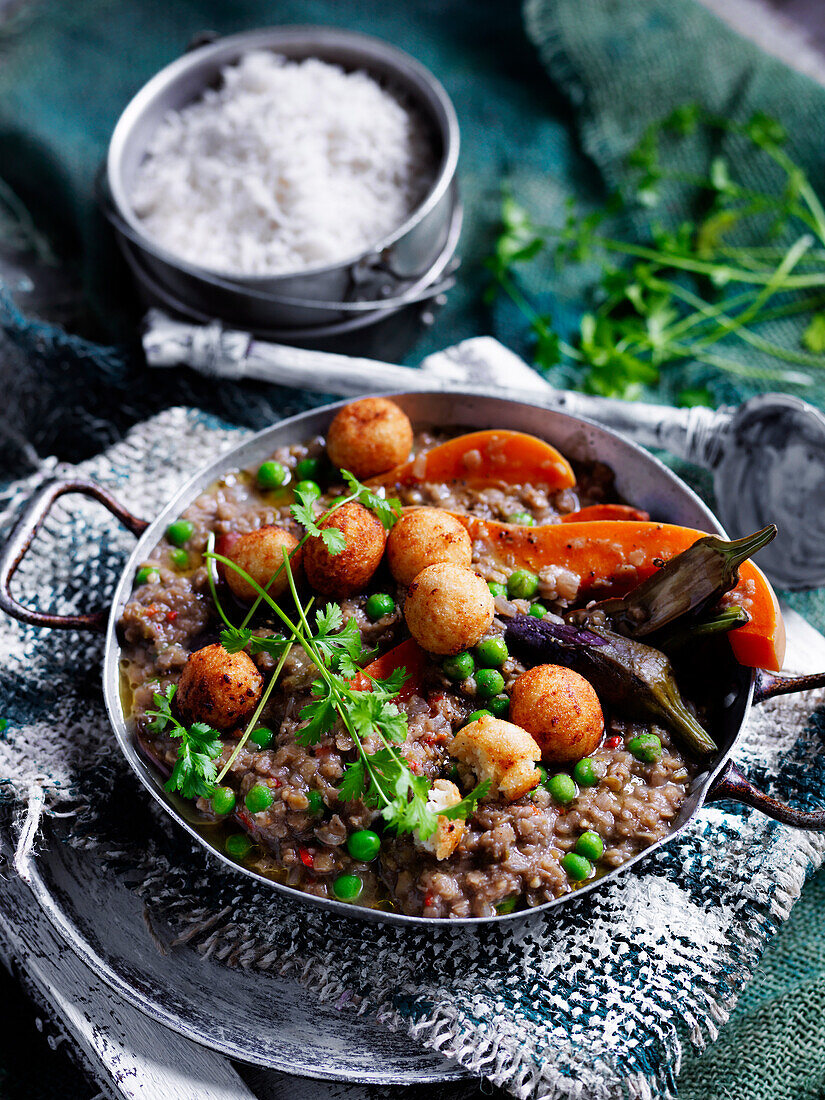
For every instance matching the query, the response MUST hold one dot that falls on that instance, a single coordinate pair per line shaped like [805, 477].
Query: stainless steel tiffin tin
[407, 270]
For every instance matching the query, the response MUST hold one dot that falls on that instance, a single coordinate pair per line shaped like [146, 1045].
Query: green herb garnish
[688, 292]
[194, 771]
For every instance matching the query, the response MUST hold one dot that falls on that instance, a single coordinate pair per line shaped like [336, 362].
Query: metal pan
[640, 477]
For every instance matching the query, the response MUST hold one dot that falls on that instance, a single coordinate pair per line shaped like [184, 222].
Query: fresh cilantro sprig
[383, 777]
[691, 290]
[195, 770]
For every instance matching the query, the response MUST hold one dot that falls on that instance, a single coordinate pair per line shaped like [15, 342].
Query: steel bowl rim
[148, 777]
[403, 64]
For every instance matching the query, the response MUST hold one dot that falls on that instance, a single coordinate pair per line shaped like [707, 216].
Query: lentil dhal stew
[448, 676]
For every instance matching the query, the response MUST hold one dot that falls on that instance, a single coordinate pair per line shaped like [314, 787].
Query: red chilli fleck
[613, 742]
[171, 616]
[306, 857]
[428, 900]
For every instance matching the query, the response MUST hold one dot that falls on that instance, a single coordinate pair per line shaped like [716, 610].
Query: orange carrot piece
[606, 511]
[408, 655]
[486, 457]
[612, 556]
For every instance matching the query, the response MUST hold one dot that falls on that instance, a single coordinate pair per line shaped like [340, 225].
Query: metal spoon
[767, 455]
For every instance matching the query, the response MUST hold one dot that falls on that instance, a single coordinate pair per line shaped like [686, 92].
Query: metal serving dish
[404, 267]
[640, 478]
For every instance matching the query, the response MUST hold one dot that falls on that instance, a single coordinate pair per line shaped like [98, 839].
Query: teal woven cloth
[555, 115]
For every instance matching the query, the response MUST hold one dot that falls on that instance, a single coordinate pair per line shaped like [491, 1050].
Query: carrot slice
[609, 557]
[486, 457]
[606, 511]
[408, 655]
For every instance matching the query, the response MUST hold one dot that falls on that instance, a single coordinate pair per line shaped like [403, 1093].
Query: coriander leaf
[334, 540]
[303, 510]
[352, 785]
[329, 619]
[194, 771]
[814, 335]
[319, 715]
[390, 685]
[372, 713]
[234, 639]
[343, 649]
[4, 725]
[162, 715]
[468, 804]
[388, 511]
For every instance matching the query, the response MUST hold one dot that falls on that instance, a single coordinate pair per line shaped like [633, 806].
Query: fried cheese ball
[447, 836]
[351, 570]
[426, 536]
[499, 751]
[369, 437]
[219, 688]
[260, 554]
[448, 608]
[560, 709]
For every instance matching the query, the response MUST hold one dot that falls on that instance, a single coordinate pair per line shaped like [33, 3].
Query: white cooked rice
[287, 165]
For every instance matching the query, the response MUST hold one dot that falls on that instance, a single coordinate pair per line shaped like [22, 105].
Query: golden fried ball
[219, 688]
[369, 437]
[560, 709]
[260, 554]
[350, 571]
[448, 608]
[424, 537]
[501, 752]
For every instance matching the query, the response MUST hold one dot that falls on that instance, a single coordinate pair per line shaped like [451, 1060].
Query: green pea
[347, 887]
[590, 845]
[500, 706]
[316, 802]
[506, 906]
[522, 585]
[498, 589]
[238, 845]
[562, 787]
[492, 652]
[537, 610]
[179, 558]
[272, 475]
[459, 667]
[474, 717]
[489, 682]
[310, 488]
[545, 778]
[587, 772]
[180, 532]
[577, 867]
[364, 845]
[378, 605]
[147, 574]
[309, 469]
[258, 799]
[522, 518]
[262, 736]
[647, 747]
[223, 800]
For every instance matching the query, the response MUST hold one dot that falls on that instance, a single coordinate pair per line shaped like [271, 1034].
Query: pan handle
[22, 535]
[731, 783]
[768, 685]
